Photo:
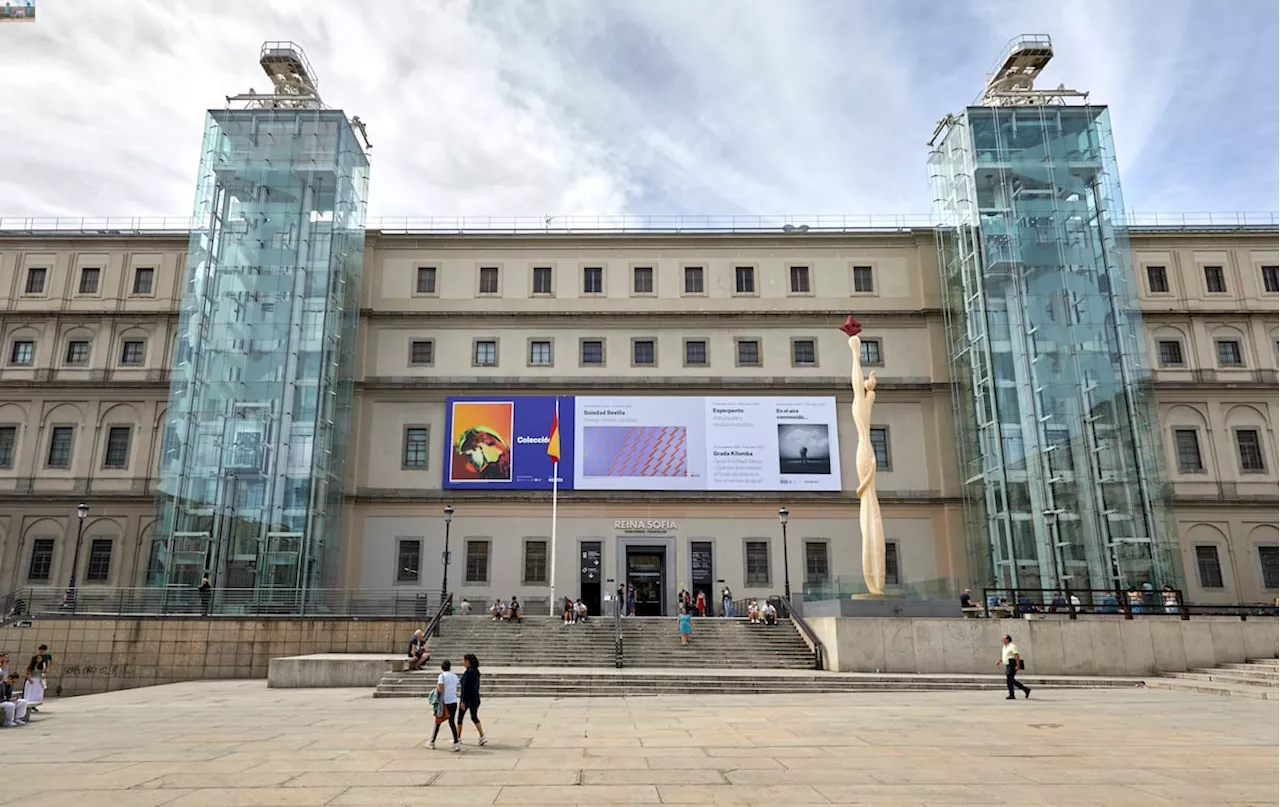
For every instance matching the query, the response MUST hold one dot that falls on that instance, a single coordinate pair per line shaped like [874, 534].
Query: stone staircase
[581, 683]
[537, 641]
[717, 643]
[1254, 679]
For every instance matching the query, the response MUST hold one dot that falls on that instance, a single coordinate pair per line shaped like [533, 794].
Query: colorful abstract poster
[502, 443]
[692, 443]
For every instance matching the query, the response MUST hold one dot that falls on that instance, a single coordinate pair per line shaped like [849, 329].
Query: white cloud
[605, 106]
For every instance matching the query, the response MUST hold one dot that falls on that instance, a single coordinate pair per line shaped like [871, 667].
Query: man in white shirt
[447, 691]
[1011, 660]
[770, 613]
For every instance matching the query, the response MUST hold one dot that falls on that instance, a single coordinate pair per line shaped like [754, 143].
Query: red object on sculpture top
[851, 327]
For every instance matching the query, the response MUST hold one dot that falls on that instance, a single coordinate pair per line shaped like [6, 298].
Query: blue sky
[495, 107]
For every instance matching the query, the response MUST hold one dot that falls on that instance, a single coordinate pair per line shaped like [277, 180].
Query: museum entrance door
[646, 567]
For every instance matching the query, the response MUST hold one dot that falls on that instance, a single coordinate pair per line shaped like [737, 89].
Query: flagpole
[555, 495]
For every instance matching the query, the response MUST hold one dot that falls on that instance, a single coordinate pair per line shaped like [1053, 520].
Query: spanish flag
[553, 445]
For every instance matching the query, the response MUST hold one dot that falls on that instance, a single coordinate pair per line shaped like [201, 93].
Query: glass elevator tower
[254, 454]
[1060, 456]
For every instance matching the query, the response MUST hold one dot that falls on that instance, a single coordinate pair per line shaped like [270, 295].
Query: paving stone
[236, 743]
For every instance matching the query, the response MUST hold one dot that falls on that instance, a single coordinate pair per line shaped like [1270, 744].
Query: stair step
[1213, 688]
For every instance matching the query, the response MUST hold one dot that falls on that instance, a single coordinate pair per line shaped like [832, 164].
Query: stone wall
[1095, 645]
[99, 655]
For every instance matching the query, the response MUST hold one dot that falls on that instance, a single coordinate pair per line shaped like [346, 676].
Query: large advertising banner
[501, 443]
[731, 444]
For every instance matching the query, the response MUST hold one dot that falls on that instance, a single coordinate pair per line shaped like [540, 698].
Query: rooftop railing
[798, 224]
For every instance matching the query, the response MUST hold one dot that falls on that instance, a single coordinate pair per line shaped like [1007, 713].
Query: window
[803, 353]
[426, 281]
[870, 352]
[477, 570]
[1208, 566]
[99, 569]
[488, 280]
[23, 353]
[1187, 444]
[408, 560]
[880, 444]
[642, 280]
[695, 353]
[485, 353]
[800, 280]
[8, 445]
[422, 351]
[132, 352]
[1229, 353]
[592, 351]
[693, 280]
[35, 281]
[748, 353]
[863, 280]
[816, 562]
[1169, 352]
[89, 278]
[117, 455]
[78, 352]
[143, 280]
[415, 448]
[542, 280]
[642, 352]
[1157, 280]
[60, 447]
[593, 280]
[1271, 279]
[535, 561]
[891, 573]
[1249, 447]
[744, 280]
[41, 559]
[540, 353]
[757, 563]
[1214, 281]
[1269, 557]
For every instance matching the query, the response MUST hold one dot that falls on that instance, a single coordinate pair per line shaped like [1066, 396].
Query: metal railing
[788, 611]
[446, 608]
[1129, 604]
[49, 601]
[563, 225]
[619, 605]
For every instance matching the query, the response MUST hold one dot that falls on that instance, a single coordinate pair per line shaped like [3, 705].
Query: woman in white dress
[33, 690]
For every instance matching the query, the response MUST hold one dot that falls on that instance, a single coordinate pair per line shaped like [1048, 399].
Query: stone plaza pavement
[233, 743]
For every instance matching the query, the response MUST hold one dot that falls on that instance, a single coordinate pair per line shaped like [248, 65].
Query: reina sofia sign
[645, 524]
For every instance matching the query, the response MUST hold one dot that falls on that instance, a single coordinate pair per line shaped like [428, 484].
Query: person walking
[726, 599]
[686, 626]
[1012, 662]
[469, 696]
[33, 686]
[701, 603]
[446, 706]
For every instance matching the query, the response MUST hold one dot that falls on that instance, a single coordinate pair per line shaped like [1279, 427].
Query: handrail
[806, 630]
[433, 627]
[617, 633]
[1135, 602]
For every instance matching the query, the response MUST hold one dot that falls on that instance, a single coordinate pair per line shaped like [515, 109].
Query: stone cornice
[820, 318]
[791, 385]
[541, 497]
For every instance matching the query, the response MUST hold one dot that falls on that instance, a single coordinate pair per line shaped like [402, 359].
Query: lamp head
[448, 513]
[82, 510]
[783, 514]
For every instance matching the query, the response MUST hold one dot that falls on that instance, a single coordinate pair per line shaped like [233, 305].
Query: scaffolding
[1060, 461]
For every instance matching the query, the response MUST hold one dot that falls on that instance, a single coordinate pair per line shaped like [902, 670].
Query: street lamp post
[783, 515]
[444, 581]
[82, 510]
[1050, 522]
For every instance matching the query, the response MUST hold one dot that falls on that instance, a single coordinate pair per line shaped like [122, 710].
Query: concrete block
[1139, 649]
[861, 643]
[901, 652]
[930, 650]
[1077, 647]
[1261, 638]
[960, 642]
[1167, 645]
[1108, 646]
[1228, 640]
[325, 671]
[1043, 648]
[1197, 643]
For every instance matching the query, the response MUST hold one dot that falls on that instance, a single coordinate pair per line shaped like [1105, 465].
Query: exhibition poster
[502, 443]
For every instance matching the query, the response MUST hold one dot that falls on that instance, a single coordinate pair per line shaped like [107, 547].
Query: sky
[597, 107]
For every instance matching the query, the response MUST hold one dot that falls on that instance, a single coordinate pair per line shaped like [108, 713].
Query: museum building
[285, 395]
